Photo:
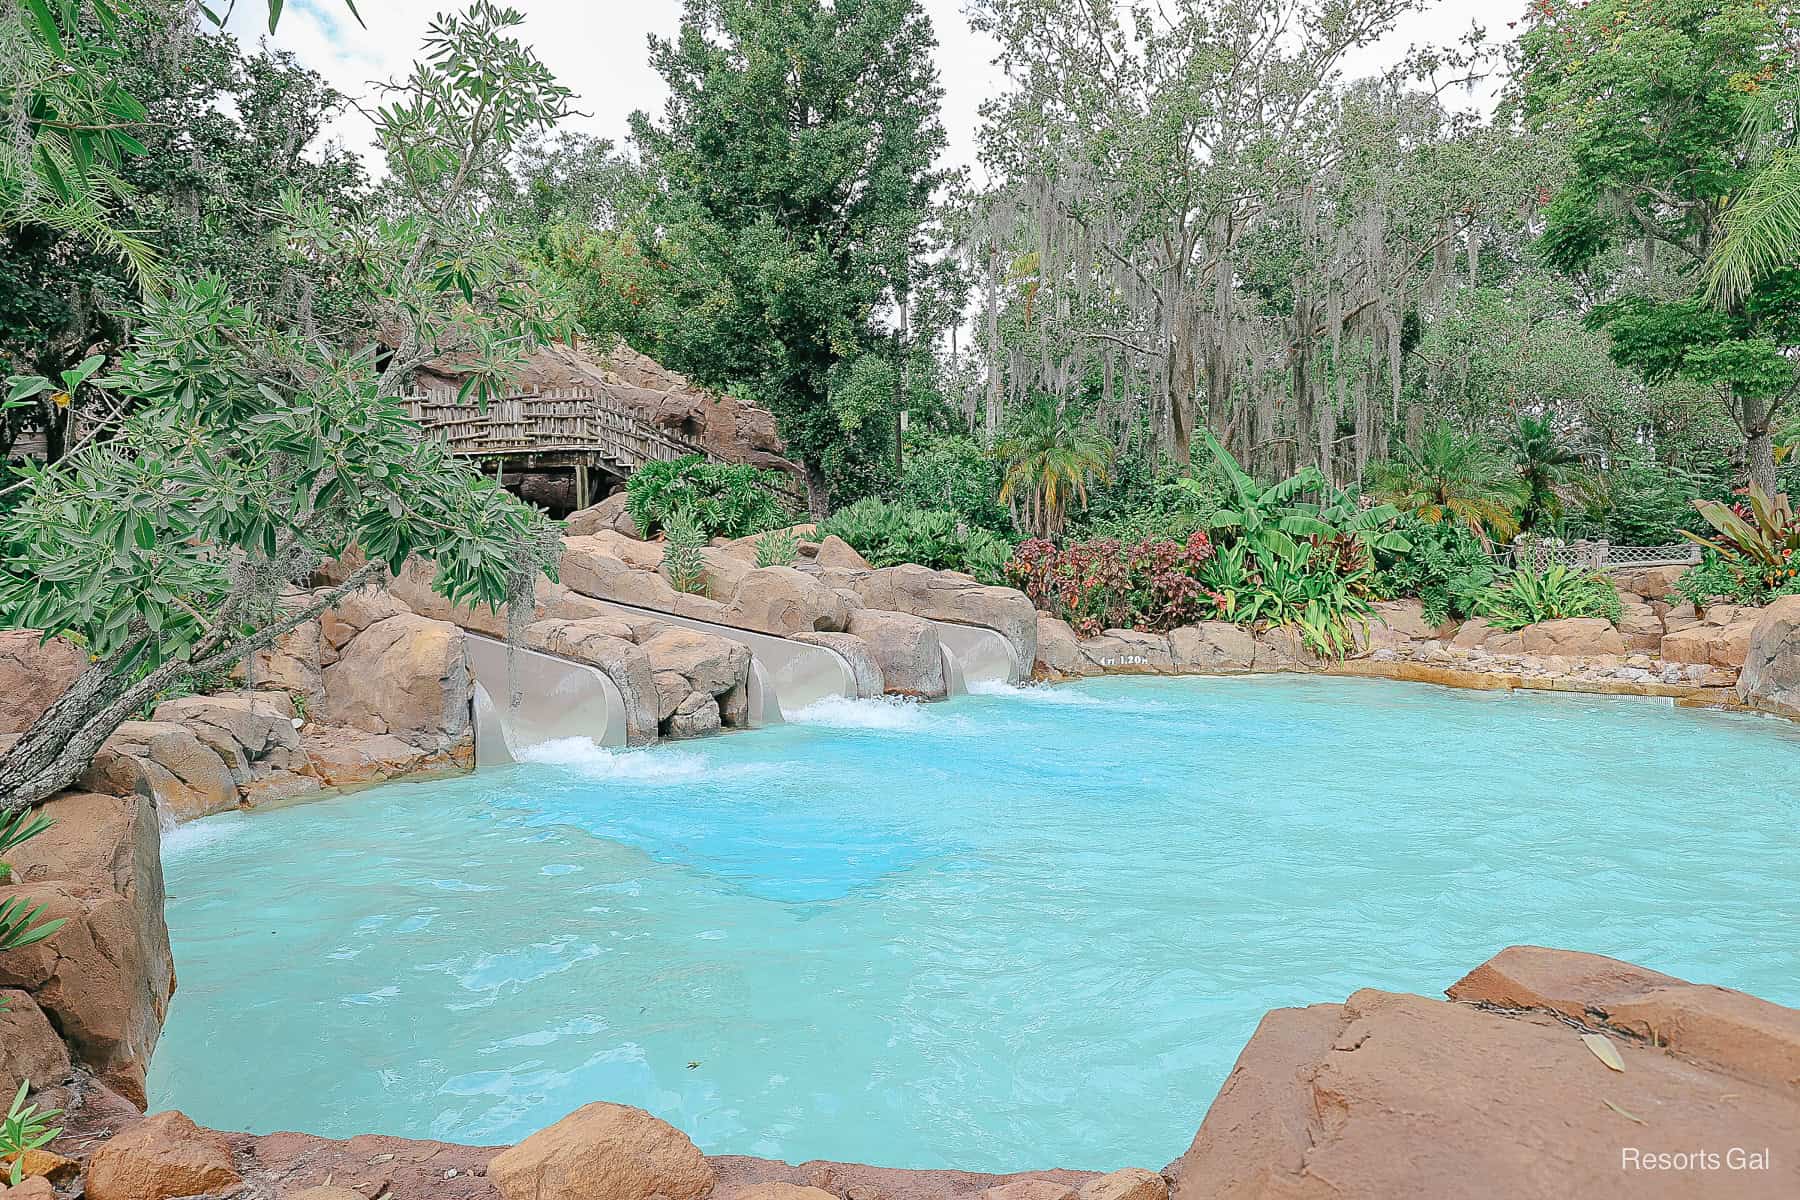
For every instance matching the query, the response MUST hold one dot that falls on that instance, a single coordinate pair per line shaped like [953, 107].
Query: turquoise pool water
[1015, 930]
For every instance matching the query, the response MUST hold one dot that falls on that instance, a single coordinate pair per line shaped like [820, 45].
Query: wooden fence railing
[1604, 556]
[550, 421]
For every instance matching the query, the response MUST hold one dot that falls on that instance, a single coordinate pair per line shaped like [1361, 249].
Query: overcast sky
[597, 47]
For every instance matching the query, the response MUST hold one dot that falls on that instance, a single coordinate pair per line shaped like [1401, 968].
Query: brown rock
[696, 716]
[602, 1150]
[834, 551]
[1212, 648]
[1771, 677]
[408, 676]
[1029, 1189]
[161, 1158]
[353, 614]
[29, 1047]
[1391, 1095]
[1652, 583]
[609, 514]
[249, 730]
[590, 566]
[327, 1193]
[291, 664]
[1572, 637]
[348, 759]
[30, 1189]
[907, 650]
[105, 978]
[33, 674]
[863, 667]
[1284, 649]
[166, 762]
[1478, 634]
[1128, 652]
[43, 1164]
[1739, 1034]
[1639, 625]
[1059, 650]
[596, 643]
[782, 600]
[1133, 1183]
[710, 664]
[1399, 622]
[778, 1191]
[949, 596]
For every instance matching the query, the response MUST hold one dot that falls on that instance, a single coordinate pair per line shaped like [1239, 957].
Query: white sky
[597, 47]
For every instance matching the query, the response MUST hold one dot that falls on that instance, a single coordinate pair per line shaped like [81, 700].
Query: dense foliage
[890, 534]
[1524, 597]
[729, 500]
[1152, 585]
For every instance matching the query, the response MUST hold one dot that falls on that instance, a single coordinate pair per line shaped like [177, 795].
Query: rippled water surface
[1014, 930]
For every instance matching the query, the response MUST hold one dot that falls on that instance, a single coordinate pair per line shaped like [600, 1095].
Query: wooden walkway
[562, 427]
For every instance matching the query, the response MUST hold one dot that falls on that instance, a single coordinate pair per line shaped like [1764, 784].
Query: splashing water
[1008, 931]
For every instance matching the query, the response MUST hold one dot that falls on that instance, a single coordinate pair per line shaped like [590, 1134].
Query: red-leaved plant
[1152, 585]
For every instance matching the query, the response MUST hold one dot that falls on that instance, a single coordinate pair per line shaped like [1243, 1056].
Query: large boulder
[407, 675]
[604, 644]
[1059, 650]
[1639, 625]
[251, 733]
[30, 1048]
[949, 596]
[1283, 648]
[1399, 1095]
[1649, 583]
[348, 759]
[603, 1150]
[863, 668]
[1398, 624]
[292, 664]
[1212, 648]
[1572, 637]
[1737, 1033]
[168, 763]
[1133, 1183]
[590, 566]
[1707, 644]
[609, 515]
[1478, 634]
[161, 1158]
[906, 648]
[1771, 677]
[782, 600]
[834, 551]
[1129, 652]
[104, 979]
[33, 673]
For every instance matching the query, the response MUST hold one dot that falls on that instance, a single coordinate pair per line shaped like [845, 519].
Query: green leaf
[40, 12]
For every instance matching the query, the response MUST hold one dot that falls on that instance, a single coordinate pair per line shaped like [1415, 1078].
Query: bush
[730, 500]
[1715, 579]
[1446, 566]
[1153, 585]
[1646, 505]
[890, 534]
[683, 561]
[955, 475]
[1524, 597]
[777, 548]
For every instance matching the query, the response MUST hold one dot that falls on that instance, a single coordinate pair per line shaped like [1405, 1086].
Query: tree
[250, 455]
[1452, 476]
[1652, 97]
[1547, 467]
[794, 168]
[1049, 458]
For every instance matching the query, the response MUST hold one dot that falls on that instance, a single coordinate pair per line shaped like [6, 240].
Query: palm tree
[1049, 457]
[1760, 232]
[1451, 477]
[1548, 467]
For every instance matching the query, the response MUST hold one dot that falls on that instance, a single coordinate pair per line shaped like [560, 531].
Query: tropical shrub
[23, 1129]
[729, 500]
[1525, 597]
[1153, 585]
[958, 475]
[683, 561]
[890, 534]
[1445, 565]
[1758, 540]
[1309, 584]
[777, 548]
[1451, 477]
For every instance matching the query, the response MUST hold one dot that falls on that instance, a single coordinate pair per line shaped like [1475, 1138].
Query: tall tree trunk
[818, 503]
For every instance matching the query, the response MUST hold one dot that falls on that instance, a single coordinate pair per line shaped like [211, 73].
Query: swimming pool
[1023, 929]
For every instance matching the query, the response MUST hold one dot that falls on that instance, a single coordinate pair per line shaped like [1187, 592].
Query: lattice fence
[1604, 556]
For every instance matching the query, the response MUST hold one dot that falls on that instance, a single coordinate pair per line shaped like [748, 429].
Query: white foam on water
[190, 836]
[641, 766]
[880, 712]
[1035, 693]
